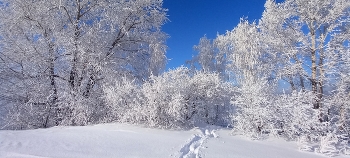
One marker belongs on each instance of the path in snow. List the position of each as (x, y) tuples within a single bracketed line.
[(192, 147)]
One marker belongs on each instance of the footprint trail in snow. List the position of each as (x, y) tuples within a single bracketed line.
[(192, 147)]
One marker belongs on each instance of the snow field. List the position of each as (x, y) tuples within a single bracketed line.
[(130, 141)]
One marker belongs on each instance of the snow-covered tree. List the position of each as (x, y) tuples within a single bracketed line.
[(245, 53), (282, 38), (209, 58), (60, 53), (303, 37)]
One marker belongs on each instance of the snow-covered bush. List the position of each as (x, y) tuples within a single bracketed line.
[(338, 106), (24, 116), (328, 145), (31, 109), (303, 144), (294, 114), (180, 99), (76, 110), (252, 102), (291, 116), (211, 97), (124, 102), (165, 98), (321, 130)]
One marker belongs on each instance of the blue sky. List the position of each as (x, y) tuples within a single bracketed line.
[(192, 19)]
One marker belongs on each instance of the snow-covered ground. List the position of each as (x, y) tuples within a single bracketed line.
[(123, 141)]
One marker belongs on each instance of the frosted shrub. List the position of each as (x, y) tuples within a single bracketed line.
[(303, 143), (252, 116), (210, 97), (339, 116), (30, 112), (124, 101), (295, 114), (24, 116), (178, 99), (289, 115), (298, 120), (164, 98), (77, 110), (328, 145)]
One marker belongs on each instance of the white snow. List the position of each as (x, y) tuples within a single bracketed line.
[(124, 141), (242, 147)]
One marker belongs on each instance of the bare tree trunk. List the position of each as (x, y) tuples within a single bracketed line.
[(291, 83), (52, 111), (342, 117), (314, 66), (321, 73), (89, 85), (73, 78), (52, 103), (302, 84), (74, 74)]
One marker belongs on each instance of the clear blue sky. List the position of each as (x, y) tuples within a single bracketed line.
[(192, 19)]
